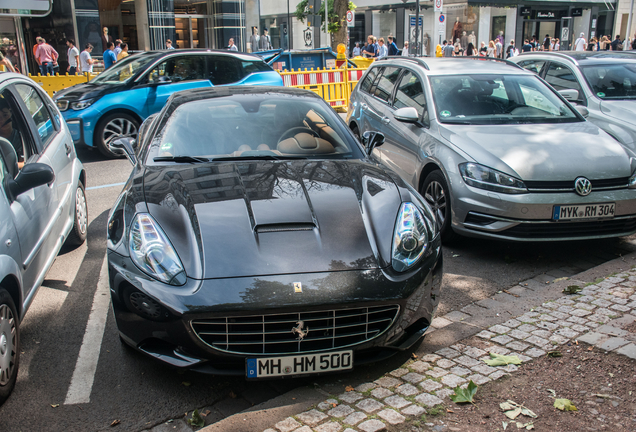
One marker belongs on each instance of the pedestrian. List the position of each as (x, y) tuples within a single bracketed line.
[(616, 44), (12, 56), (483, 49), (580, 44), (470, 50), (405, 50), (591, 46), (109, 55), (527, 47), (491, 49), (382, 49), (356, 50), (73, 57), (265, 42), (86, 61), (369, 51), (557, 44), (117, 49), (604, 44), (46, 56), (546, 43), (254, 39), (231, 46), (124, 51), (393, 49), (510, 49), (169, 44), (634, 42), (6, 62), (498, 49), (447, 49), (457, 49), (534, 43)]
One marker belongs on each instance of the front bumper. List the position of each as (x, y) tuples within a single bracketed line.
[(170, 337), (528, 217), (81, 124)]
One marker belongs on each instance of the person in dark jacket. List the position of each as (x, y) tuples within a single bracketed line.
[(393, 49)]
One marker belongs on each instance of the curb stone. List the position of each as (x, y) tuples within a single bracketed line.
[(546, 319)]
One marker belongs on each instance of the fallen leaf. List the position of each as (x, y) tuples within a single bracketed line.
[(348, 388), (554, 354), (564, 405), (552, 392), (513, 414), (55, 405), (611, 374), (504, 425), (464, 395), (205, 413), (333, 405), (526, 412), (449, 410), (196, 419), (115, 423), (186, 383), (502, 360), (455, 255), (413, 355), (507, 406), (590, 348)]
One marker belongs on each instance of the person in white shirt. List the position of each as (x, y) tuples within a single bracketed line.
[(557, 44), (117, 47), (384, 51), (356, 50), (73, 57), (580, 44), (86, 61), (231, 46), (405, 50)]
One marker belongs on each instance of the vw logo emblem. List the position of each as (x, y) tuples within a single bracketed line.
[(583, 186)]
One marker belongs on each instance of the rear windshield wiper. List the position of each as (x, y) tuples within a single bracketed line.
[(181, 159), (257, 157)]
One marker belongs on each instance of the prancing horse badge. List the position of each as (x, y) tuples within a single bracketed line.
[(298, 287)]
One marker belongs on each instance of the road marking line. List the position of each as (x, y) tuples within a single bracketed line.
[(105, 186), (82, 382)]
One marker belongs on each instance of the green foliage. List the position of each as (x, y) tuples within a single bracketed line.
[(464, 395), (502, 360), (196, 419), (335, 21), (564, 405)]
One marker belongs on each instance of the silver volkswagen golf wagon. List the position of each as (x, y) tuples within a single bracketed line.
[(496, 151)]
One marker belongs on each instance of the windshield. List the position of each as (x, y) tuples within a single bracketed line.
[(123, 70), (253, 127), (497, 99), (612, 81)]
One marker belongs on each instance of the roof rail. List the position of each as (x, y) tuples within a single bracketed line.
[(417, 60), (553, 53), (508, 62)]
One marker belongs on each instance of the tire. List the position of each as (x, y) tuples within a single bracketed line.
[(9, 345), (78, 233), (112, 127), (436, 193)]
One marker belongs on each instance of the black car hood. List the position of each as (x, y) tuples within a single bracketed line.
[(88, 91), (252, 218)]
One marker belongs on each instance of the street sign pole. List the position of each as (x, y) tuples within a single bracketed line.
[(417, 27)]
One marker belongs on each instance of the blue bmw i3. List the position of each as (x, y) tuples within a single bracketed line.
[(115, 103)]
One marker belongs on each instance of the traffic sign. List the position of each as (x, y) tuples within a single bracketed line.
[(441, 18), (351, 19), (438, 5)]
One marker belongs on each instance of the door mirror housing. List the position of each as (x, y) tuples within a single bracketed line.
[(125, 146), (406, 115), (570, 94), (372, 140), (31, 176), (143, 129), (582, 110)]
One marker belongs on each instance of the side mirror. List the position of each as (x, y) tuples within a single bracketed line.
[(582, 110), (124, 146), (372, 140), (143, 129), (31, 176), (570, 94), (406, 115)]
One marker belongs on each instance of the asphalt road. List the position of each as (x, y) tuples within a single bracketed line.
[(141, 393)]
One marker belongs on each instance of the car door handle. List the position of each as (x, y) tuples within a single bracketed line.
[(386, 120), (68, 150)]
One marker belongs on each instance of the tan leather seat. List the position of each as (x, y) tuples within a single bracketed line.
[(304, 143)]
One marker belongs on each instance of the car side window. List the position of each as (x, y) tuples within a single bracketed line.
[(561, 77), (368, 80), (532, 65), (16, 143), (179, 69), (410, 93), (38, 110), (384, 88), (223, 69)]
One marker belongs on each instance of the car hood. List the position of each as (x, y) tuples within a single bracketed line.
[(87, 91), (544, 152), (253, 218), (624, 110)]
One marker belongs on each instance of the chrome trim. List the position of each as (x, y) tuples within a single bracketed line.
[(625, 186), (543, 221)]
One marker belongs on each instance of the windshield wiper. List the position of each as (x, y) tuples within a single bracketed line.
[(181, 159), (257, 157)]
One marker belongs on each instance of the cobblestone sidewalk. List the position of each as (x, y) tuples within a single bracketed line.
[(596, 315)]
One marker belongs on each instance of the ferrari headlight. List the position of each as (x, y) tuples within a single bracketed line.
[(482, 177), (410, 237), (80, 105), (152, 252)]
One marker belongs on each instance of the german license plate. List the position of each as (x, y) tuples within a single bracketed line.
[(265, 367), (583, 211)]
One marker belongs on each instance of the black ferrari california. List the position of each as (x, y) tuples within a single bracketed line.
[(256, 236)]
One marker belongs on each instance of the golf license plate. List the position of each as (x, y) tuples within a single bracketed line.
[(583, 211), (301, 364)]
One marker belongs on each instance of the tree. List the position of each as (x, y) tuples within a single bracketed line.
[(337, 14)]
